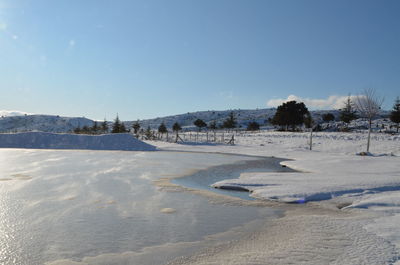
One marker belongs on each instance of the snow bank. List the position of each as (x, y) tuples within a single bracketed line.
[(41, 140), (332, 170), (325, 177)]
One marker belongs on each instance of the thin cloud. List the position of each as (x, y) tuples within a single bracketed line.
[(332, 102), (6, 113)]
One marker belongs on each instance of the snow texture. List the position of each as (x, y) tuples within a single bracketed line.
[(23, 122), (43, 123), (41, 140), (332, 174)]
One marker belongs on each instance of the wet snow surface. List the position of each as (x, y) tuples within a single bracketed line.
[(77, 202), (332, 174), (102, 207)]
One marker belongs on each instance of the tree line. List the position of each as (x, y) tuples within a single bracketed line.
[(292, 114), (117, 127), (288, 117)]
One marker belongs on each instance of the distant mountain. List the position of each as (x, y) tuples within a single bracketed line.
[(43, 123), (186, 120), (7, 113), (51, 123)]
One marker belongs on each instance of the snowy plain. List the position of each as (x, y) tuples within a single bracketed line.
[(331, 176), (353, 202), (104, 207)]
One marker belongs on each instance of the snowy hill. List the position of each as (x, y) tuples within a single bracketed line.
[(243, 118), (6, 113), (186, 120), (41, 140), (58, 124), (43, 123)]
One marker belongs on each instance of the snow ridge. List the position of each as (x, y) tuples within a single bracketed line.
[(41, 140)]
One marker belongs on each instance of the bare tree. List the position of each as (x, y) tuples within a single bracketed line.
[(368, 105)]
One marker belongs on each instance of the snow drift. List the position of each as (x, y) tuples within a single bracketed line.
[(41, 140)]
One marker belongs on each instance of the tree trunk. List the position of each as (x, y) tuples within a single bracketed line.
[(369, 134)]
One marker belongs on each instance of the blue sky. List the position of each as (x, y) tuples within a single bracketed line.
[(144, 59)]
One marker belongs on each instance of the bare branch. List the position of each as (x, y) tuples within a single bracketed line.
[(369, 103)]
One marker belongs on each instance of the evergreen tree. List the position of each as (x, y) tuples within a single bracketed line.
[(176, 127), (162, 128), (85, 129), (148, 133), (104, 126), (348, 113), (123, 128), (77, 130), (118, 127), (95, 128), (328, 117), (213, 125), (290, 114), (253, 126), (395, 114), (230, 122), (136, 127), (199, 124)]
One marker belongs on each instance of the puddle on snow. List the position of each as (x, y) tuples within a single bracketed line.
[(203, 179), (96, 207)]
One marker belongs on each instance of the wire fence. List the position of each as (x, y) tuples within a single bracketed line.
[(193, 137)]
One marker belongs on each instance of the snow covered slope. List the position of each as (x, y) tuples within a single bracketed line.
[(243, 118), (186, 120), (41, 140), (44, 123), (6, 113), (52, 123), (366, 186)]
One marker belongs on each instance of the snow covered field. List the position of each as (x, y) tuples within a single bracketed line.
[(351, 217), (103, 207), (365, 187)]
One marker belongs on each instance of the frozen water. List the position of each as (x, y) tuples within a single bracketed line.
[(204, 179), (91, 207)]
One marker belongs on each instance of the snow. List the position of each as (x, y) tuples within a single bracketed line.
[(14, 121), (44, 123), (6, 113), (41, 140), (362, 193), (331, 175), (102, 207)]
